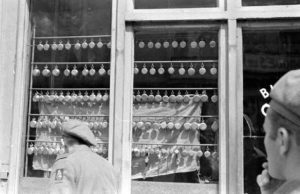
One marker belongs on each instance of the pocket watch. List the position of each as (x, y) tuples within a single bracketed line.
[(202, 69), (40, 46), (84, 45), (55, 71), (36, 72), (67, 71), (46, 71), (158, 45), (92, 44), (166, 44), (60, 46), (68, 45), (92, 71)]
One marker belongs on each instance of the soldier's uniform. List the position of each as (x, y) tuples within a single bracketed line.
[(82, 171)]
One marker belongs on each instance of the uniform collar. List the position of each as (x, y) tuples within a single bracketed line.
[(78, 148)]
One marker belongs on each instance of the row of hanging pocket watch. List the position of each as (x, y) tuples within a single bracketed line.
[(191, 71), (180, 151), (172, 98), (70, 98), (46, 72), (54, 46), (176, 44), (144, 98), (194, 126), (45, 122), (171, 70), (53, 148)]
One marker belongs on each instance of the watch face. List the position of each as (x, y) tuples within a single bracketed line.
[(150, 44), (102, 71), (172, 98), (92, 72), (136, 70), (54, 46), (161, 71), (66, 72), (152, 71), (141, 44), (46, 46), (100, 44), (212, 44), (174, 44), (68, 45), (214, 98), (84, 45), (158, 98), (186, 98), (60, 46), (157, 45), (213, 71), (202, 44), (193, 44), (77, 46), (165, 98), (144, 70), (204, 98), (182, 44), (196, 98), (92, 44), (202, 71), (178, 126), (179, 98), (166, 44), (151, 98), (40, 46), (203, 126), (191, 71), (187, 126), (171, 70), (181, 71)]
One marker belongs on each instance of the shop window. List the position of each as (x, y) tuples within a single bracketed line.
[(70, 70), (164, 4), (267, 55), (269, 2), (175, 110)]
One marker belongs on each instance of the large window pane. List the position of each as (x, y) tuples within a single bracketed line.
[(268, 54), (69, 76), (175, 111)]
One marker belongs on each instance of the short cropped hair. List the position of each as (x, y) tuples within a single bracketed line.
[(278, 121)]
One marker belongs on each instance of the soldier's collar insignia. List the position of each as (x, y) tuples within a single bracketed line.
[(59, 174)]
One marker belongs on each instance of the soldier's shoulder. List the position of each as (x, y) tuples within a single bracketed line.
[(62, 156)]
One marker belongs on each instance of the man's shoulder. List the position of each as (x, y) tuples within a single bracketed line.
[(289, 187)]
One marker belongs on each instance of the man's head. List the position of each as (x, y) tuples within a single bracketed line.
[(77, 132), (282, 126)]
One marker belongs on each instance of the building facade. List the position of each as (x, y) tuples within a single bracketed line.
[(174, 91)]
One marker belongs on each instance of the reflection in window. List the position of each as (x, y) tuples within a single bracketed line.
[(175, 110), (70, 68), (267, 56)]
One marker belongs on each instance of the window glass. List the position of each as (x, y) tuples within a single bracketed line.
[(175, 110), (269, 2), (267, 56), (70, 68), (163, 4)]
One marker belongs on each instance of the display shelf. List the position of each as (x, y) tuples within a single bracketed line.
[(69, 89), (187, 116), (173, 144), (68, 115), (195, 61), (71, 63), (49, 141), (73, 37), (210, 88)]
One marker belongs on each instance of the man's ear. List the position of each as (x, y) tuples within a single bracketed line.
[(284, 140)]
